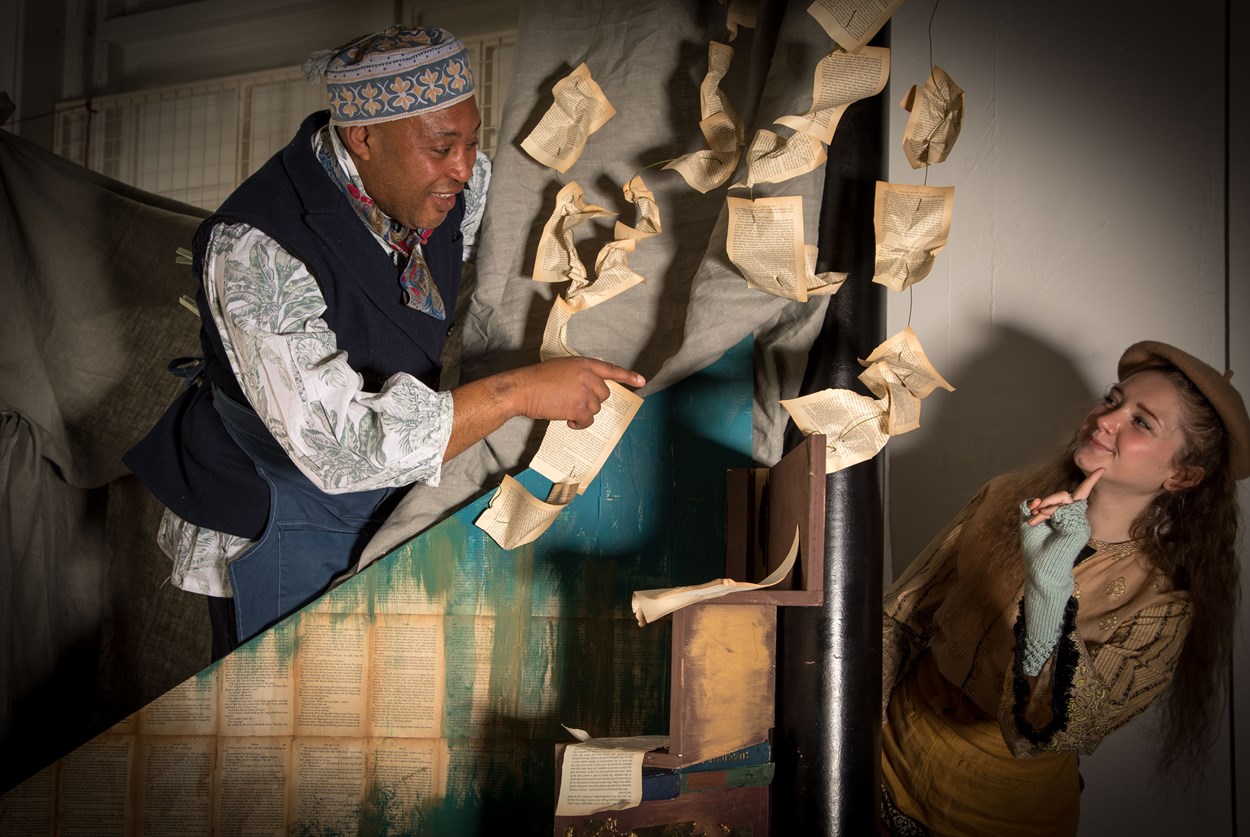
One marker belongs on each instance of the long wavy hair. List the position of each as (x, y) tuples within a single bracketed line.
[(1190, 534)]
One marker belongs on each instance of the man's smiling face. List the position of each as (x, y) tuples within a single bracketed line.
[(413, 168)]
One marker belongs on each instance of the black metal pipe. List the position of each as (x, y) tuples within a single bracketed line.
[(828, 732)]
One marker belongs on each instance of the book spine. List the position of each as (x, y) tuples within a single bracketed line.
[(755, 754), (672, 785)]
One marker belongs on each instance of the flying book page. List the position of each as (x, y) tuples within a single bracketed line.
[(841, 78), (515, 517), (772, 158), (852, 23), (912, 225), (578, 109), (906, 357), (741, 13), (556, 259), (820, 284), (575, 456), (854, 425), (765, 241), (720, 125), (936, 114)]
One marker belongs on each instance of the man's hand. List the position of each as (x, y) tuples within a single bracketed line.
[(570, 389)]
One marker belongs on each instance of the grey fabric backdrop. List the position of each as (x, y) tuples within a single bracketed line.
[(89, 318), (649, 58)]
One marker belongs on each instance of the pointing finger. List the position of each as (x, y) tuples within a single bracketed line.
[(1087, 485)]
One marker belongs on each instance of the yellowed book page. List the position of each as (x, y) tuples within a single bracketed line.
[(613, 275), (578, 109), (852, 23), (841, 78), (403, 591), (556, 258), (703, 171), (741, 13), (471, 641), (556, 334), (935, 117), (912, 224), (515, 517), (569, 456), (765, 241), (126, 726), (175, 780), (854, 425), (902, 406), (250, 786), (30, 807), (772, 158), (406, 680), (190, 708), (651, 605), (820, 284), (721, 133), (599, 779), (331, 675), (327, 785), (903, 352), (93, 793), (648, 224), (714, 102), (410, 773), (258, 686)]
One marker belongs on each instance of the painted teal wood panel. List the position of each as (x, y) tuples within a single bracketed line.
[(566, 648)]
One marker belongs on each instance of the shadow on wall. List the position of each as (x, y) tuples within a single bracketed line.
[(1018, 400)]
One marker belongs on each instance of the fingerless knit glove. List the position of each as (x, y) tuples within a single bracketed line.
[(1050, 550)]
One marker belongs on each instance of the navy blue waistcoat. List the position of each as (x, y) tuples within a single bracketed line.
[(188, 460)]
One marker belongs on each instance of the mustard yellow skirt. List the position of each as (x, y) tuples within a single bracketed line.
[(945, 765)]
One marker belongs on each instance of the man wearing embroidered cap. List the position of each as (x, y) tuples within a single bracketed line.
[(328, 285)]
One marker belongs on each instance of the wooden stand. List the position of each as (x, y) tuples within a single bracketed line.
[(724, 657)]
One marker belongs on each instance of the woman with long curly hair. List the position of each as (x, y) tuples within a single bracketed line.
[(1061, 602)]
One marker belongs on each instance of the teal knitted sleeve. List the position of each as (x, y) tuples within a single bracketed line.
[(1049, 550)]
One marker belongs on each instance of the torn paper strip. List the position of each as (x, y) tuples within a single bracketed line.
[(840, 79), (650, 605)]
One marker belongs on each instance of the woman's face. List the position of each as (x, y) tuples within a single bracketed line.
[(1135, 435)]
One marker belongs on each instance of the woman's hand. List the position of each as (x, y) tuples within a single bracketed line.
[(1043, 508)]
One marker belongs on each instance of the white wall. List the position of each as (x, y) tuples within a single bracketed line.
[(1089, 214)]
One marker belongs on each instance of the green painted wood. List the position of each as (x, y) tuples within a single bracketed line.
[(566, 648)]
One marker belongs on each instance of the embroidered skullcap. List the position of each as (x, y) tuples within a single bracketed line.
[(401, 72), (1216, 388)]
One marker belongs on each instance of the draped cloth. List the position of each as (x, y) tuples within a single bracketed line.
[(89, 320), (649, 58)]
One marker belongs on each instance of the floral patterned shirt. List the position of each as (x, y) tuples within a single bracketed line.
[(268, 310)]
